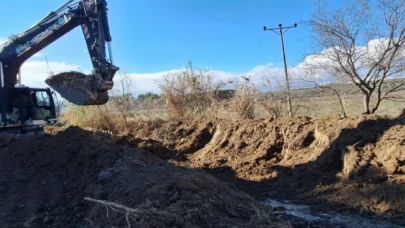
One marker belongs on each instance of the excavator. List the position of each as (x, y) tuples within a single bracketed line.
[(26, 109)]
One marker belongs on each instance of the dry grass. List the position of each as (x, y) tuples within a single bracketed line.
[(269, 103), (96, 117), (194, 93), (116, 116), (189, 93), (243, 103)]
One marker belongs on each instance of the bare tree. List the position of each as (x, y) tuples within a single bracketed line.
[(365, 41), (122, 97)]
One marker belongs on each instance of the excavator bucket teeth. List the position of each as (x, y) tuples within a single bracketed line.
[(78, 88)]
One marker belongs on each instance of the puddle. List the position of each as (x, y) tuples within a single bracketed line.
[(336, 219)]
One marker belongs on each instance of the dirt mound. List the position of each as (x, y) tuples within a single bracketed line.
[(77, 178), (78, 88), (82, 179), (346, 164)]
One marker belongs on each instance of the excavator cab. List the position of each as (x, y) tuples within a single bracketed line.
[(41, 106), (31, 108)]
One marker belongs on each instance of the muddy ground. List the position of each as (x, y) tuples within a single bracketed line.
[(205, 173)]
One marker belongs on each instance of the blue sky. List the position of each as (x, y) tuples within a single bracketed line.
[(151, 36)]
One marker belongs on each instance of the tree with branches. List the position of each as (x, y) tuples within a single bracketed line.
[(364, 41)]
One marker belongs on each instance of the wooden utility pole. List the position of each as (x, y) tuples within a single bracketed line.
[(281, 29)]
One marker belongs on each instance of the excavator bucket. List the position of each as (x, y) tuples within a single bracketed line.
[(78, 88)]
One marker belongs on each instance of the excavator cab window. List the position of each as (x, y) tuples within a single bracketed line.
[(43, 107), (42, 99), (34, 104)]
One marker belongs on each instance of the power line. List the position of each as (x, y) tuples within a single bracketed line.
[(281, 29)]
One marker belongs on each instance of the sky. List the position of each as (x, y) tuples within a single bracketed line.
[(151, 37)]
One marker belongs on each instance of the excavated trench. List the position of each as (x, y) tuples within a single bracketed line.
[(347, 172), (211, 173)]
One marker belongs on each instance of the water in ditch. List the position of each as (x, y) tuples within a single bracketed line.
[(321, 219)]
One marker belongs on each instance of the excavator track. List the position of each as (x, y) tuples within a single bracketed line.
[(78, 88)]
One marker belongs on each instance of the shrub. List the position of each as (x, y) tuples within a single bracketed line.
[(189, 93), (269, 103), (112, 116), (243, 102)]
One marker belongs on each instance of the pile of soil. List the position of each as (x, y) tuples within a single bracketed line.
[(355, 164), (204, 173), (77, 88), (77, 178)]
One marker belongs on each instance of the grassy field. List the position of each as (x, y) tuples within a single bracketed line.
[(316, 102)]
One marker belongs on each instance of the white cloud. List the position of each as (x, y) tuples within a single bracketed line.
[(149, 82), (39, 54), (365, 56), (321, 66), (34, 73)]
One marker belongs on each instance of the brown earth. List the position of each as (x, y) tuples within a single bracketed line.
[(76, 178), (352, 165), (355, 165)]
